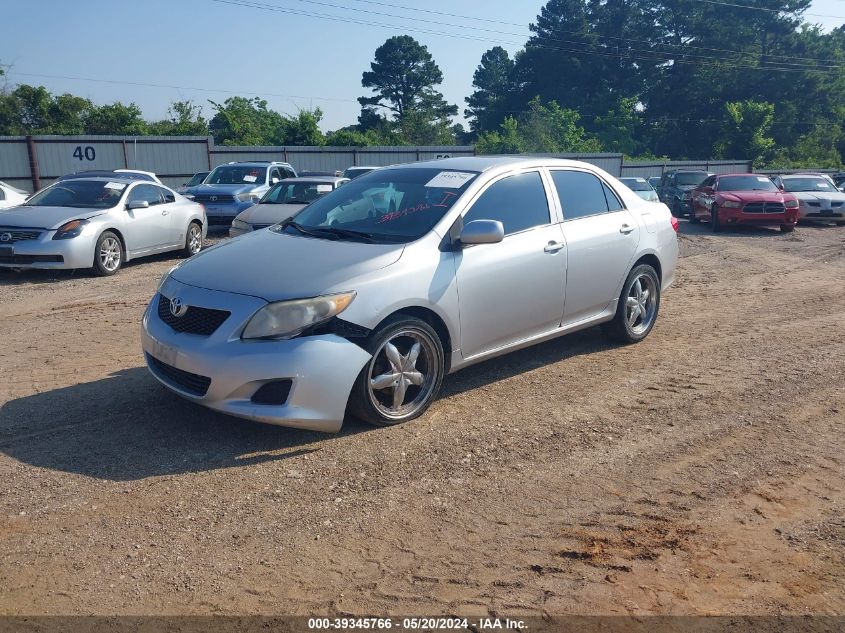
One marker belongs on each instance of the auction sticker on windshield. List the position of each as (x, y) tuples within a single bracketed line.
[(450, 180), (115, 185)]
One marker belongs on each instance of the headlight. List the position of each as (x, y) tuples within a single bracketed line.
[(286, 319), (70, 229), (240, 224), (165, 276), (248, 197), (791, 204), (730, 204)]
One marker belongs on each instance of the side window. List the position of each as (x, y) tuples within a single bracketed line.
[(613, 203), (150, 193), (274, 173), (167, 195), (518, 202), (287, 173), (581, 194), (709, 182)]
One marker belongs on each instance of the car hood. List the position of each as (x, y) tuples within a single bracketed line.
[(45, 217), (230, 189), (821, 195), (757, 196), (269, 213), (277, 266)]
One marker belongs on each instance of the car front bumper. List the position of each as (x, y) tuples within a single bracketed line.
[(322, 369), (47, 253), (223, 214), (822, 215), (739, 216)]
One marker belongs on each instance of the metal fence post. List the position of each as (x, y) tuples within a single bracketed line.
[(34, 172)]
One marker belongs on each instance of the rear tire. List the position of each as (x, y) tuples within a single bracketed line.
[(403, 376), (637, 308), (193, 240), (108, 254), (714, 220), (787, 228)]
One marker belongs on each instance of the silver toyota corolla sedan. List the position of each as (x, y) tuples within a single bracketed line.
[(99, 223), (371, 295)]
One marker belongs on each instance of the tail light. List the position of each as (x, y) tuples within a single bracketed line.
[(675, 224)]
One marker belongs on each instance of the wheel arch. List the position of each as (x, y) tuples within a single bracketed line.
[(652, 260), (119, 234), (433, 319)]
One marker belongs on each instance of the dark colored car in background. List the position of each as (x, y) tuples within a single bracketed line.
[(195, 181), (676, 189), (743, 199)]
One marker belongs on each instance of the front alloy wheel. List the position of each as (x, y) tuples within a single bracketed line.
[(108, 254), (403, 375)]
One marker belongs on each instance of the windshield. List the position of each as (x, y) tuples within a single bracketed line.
[(746, 183), (636, 184), (236, 175), (808, 184), (197, 179), (296, 192), (93, 194), (691, 178), (388, 205)]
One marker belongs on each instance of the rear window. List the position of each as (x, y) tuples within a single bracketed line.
[(636, 184)]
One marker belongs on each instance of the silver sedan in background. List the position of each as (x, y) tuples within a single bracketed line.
[(373, 293), (284, 200), (641, 187), (99, 223)]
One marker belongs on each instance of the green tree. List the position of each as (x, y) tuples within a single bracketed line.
[(493, 82), (505, 141), (620, 130), (246, 121), (185, 119), (116, 118), (745, 132), (550, 128), (304, 129)]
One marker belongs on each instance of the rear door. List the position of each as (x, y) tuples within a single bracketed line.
[(601, 237), (148, 228)]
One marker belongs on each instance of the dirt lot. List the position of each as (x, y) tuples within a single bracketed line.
[(699, 472)]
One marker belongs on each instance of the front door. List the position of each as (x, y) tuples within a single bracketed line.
[(512, 290), (147, 228)]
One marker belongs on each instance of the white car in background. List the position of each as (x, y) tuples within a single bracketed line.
[(818, 197), (641, 187), (11, 196)]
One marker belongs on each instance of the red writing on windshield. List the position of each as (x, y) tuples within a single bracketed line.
[(422, 206)]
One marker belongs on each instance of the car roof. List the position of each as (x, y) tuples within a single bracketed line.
[(332, 179), (254, 163), (119, 178), (804, 175), (363, 167), (638, 178), (132, 176), (743, 174)]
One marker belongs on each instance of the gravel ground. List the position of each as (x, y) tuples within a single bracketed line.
[(699, 472)]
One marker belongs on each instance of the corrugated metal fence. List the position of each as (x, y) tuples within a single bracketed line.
[(30, 162)]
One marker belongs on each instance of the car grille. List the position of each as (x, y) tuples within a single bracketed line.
[(23, 260), (222, 198), (833, 204), (20, 235), (202, 321), (193, 384), (764, 207)]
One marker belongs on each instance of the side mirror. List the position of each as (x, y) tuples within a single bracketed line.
[(138, 204), (482, 232)]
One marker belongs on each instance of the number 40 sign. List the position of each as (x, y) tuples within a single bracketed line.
[(84, 153)]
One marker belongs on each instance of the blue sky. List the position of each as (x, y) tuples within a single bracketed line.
[(223, 47)]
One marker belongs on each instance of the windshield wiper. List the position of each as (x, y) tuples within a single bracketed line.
[(348, 233), (302, 229)]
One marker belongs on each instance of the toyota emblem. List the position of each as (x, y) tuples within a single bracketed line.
[(177, 308), (213, 198), (6, 237)]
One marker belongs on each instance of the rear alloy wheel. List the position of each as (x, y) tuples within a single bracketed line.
[(714, 220), (403, 376), (193, 240), (108, 254), (638, 306)]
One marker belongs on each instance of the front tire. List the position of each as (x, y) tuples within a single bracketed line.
[(108, 254), (193, 240), (693, 218), (714, 220), (787, 228), (639, 303), (404, 374)]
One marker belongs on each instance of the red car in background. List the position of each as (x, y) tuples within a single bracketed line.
[(729, 199)]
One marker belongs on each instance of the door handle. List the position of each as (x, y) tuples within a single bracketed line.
[(626, 228), (165, 212), (553, 247)]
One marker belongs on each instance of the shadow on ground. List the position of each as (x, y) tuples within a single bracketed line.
[(128, 427)]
